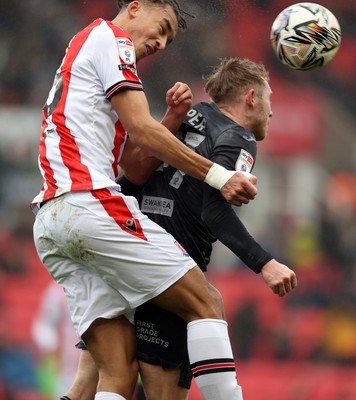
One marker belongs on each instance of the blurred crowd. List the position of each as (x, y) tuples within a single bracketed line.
[(316, 323)]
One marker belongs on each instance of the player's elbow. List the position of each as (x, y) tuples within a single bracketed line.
[(141, 132)]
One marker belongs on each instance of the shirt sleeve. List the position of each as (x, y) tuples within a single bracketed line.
[(115, 60), (228, 228), (232, 152)]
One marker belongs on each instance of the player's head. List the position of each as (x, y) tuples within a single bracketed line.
[(240, 84), (151, 24)]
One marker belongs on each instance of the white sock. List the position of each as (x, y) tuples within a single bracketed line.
[(108, 396), (212, 361)]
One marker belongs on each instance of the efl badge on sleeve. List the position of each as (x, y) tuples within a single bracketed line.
[(245, 162), (126, 51)]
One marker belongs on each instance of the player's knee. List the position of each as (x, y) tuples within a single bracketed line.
[(124, 379), (215, 304), (210, 305)]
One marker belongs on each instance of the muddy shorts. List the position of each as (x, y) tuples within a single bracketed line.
[(108, 256)]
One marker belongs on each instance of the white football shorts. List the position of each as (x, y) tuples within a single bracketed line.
[(106, 254)]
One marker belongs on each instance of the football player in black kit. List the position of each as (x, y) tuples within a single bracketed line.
[(224, 131)]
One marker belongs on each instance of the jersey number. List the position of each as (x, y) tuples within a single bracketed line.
[(54, 94)]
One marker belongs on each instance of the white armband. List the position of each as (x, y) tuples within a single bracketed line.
[(217, 176)]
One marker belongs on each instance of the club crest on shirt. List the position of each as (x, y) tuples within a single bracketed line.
[(245, 162)]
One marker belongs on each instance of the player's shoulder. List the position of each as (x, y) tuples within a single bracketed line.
[(225, 129), (104, 28), (195, 118), (103, 37), (245, 135), (204, 115)]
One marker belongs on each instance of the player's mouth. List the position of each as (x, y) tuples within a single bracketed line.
[(149, 50)]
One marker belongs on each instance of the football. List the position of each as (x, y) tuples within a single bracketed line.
[(305, 36)]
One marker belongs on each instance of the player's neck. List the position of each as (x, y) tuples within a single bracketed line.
[(231, 112)]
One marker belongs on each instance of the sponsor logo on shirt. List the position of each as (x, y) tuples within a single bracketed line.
[(146, 331), (157, 205), (49, 131), (124, 42), (125, 67)]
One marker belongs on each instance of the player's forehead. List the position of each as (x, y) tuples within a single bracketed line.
[(166, 16), (266, 87)]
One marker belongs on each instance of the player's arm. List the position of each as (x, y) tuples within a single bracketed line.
[(228, 228), (136, 163), (233, 150), (153, 137)]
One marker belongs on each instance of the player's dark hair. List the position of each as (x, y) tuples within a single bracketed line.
[(180, 13), (232, 76)]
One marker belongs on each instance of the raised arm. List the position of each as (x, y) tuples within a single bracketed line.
[(136, 163), (150, 135)]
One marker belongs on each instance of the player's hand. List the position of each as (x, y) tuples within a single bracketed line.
[(279, 277), (179, 99), (240, 189)]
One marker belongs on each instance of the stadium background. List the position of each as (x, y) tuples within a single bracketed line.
[(300, 347)]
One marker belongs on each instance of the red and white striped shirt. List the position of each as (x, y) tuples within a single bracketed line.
[(81, 137)]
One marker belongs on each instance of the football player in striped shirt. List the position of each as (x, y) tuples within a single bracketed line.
[(94, 241)]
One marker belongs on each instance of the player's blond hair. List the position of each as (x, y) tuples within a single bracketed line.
[(232, 76), (180, 13)]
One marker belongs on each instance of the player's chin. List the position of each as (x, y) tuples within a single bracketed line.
[(261, 133), (140, 55)]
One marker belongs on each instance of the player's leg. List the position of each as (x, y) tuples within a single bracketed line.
[(209, 348), (161, 351), (112, 343), (86, 379), (117, 255), (160, 384), (192, 297), (88, 297), (96, 307)]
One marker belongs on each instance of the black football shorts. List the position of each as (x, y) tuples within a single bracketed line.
[(162, 340)]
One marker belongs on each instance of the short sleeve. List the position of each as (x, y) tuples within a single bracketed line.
[(115, 60)]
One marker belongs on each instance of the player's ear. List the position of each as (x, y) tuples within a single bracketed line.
[(250, 97), (133, 8)]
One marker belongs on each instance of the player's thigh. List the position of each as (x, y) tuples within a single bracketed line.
[(160, 384), (192, 297), (111, 340)]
